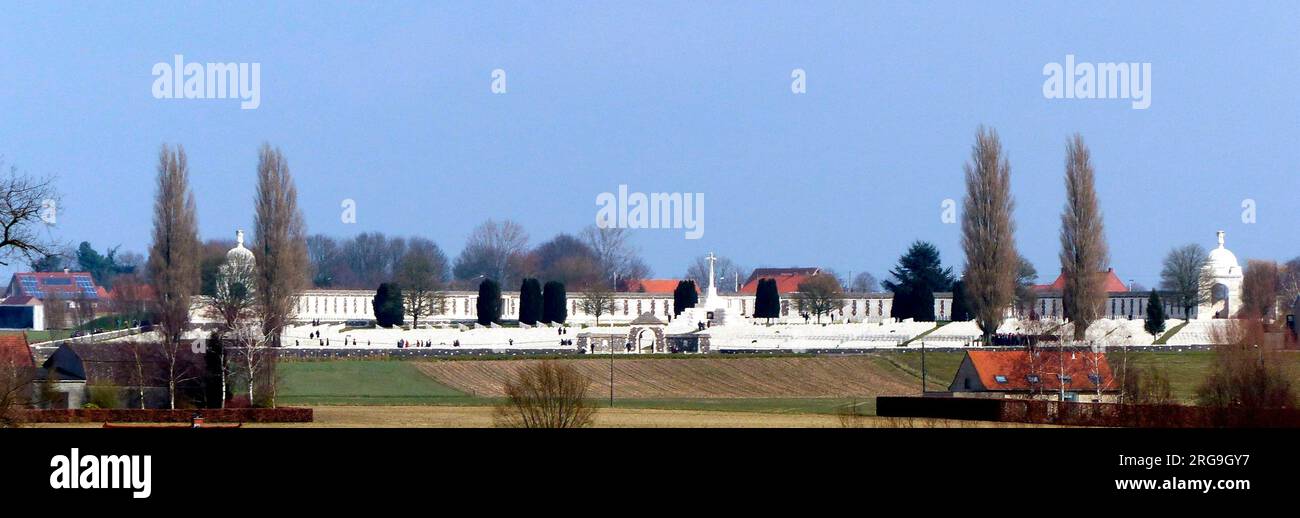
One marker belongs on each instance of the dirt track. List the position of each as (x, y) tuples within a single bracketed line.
[(810, 377)]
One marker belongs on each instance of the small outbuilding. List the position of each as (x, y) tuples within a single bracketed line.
[(1084, 375)]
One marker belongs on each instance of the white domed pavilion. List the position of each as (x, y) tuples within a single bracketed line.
[(1225, 290), (239, 253), (238, 268)]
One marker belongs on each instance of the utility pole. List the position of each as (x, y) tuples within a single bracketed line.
[(923, 376), (611, 373)]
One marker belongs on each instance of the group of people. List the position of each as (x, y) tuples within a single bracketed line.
[(326, 341), (407, 344)]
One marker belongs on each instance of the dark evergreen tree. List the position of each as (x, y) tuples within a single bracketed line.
[(918, 275), (767, 300), (554, 303), (684, 296), (530, 301), (1155, 315), (923, 305), (901, 305), (960, 308), (101, 267), (489, 302), (49, 263), (388, 305)]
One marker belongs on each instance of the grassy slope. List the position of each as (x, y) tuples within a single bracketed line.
[(364, 382), (386, 382), (940, 366)]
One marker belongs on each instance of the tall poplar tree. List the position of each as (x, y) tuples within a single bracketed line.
[(280, 243), (1084, 254), (988, 234), (174, 259)]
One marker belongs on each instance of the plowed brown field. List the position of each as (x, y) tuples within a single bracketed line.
[(810, 377)]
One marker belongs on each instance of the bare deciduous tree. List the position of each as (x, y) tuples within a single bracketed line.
[(1187, 276), (865, 282), (280, 243), (140, 355), (1289, 282), (83, 307), (421, 272), (256, 356), (25, 201), (819, 295), (1084, 253), (364, 262), (326, 259), (495, 251), (131, 297), (547, 394), (597, 301), (617, 259), (1260, 289), (988, 233), (173, 258), (566, 259)]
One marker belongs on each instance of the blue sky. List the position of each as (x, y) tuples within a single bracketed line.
[(389, 104)]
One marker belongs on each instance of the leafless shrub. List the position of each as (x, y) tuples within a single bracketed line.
[(548, 394), (850, 416), (1147, 386), (1248, 378), (15, 389)]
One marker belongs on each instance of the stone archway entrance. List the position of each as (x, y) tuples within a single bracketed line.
[(647, 335), (645, 341)]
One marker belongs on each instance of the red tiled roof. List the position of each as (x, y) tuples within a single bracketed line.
[(43, 284), (1113, 284), (1015, 367), (654, 285), (787, 279), (14, 350), (20, 300)]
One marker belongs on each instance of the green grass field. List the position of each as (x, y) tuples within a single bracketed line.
[(43, 336), (364, 382), (397, 382), (940, 366), (394, 382)]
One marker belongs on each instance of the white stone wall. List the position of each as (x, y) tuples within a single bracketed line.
[(343, 305)]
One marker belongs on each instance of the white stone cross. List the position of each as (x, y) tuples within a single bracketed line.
[(712, 259)]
